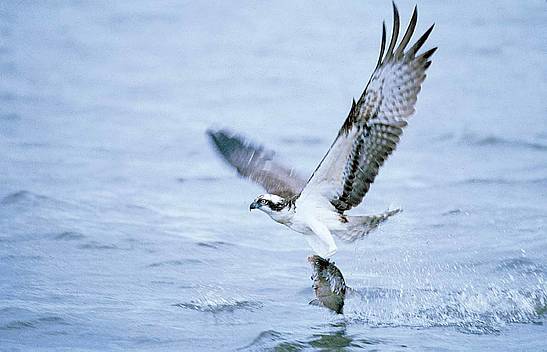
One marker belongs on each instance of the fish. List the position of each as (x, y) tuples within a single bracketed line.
[(329, 285)]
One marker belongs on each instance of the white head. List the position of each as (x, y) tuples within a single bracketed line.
[(275, 206)]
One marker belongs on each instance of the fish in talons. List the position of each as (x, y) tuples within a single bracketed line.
[(329, 285)]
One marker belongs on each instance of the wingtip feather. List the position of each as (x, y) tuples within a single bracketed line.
[(382, 45), (394, 33), (210, 132), (420, 42), (408, 33), (429, 53), (213, 135)]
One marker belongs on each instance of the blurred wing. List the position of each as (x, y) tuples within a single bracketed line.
[(375, 123), (256, 163)]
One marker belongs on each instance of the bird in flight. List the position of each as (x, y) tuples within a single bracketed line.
[(367, 137)]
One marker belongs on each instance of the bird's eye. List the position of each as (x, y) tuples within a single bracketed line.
[(263, 201)]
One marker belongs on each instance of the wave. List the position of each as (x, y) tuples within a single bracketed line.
[(502, 181), (213, 299), (521, 265), (26, 319), (303, 140), (27, 199), (98, 245), (332, 336), (269, 339), (68, 236), (219, 305), (455, 211), (205, 179), (10, 117), (175, 263), (214, 244), (16, 257), (22, 196), (497, 141)]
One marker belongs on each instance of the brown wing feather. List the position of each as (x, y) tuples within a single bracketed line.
[(375, 122), (257, 164)]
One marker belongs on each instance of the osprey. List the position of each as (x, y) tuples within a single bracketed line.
[(368, 136)]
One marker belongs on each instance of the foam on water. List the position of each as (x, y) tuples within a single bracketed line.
[(470, 310)]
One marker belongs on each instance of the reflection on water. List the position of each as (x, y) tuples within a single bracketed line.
[(336, 338), (331, 337)]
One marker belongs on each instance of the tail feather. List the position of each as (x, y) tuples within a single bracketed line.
[(359, 226)]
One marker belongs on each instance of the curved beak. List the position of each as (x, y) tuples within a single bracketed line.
[(254, 205)]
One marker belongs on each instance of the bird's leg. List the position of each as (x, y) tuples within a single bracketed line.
[(327, 241)]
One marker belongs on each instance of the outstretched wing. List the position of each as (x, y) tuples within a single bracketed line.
[(375, 122), (256, 163)]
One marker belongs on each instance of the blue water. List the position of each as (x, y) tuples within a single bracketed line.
[(120, 229)]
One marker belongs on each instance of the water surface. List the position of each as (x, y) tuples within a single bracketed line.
[(121, 229)]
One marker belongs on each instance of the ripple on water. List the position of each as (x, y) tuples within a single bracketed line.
[(272, 340), (213, 302), (331, 337), (9, 117), (68, 236), (98, 246), (204, 179), (17, 257), (520, 265), (181, 262), (27, 319), (338, 339), (496, 141), (213, 244), (219, 306), (22, 196), (502, 181), (456, 211), (24, 199), (303, 140)]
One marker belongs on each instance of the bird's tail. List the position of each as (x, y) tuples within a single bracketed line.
[(360, 226)]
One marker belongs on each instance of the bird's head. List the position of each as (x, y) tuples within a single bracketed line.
[(271, 204)]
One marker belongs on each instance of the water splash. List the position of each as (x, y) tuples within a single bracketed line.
[(469, 310)]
